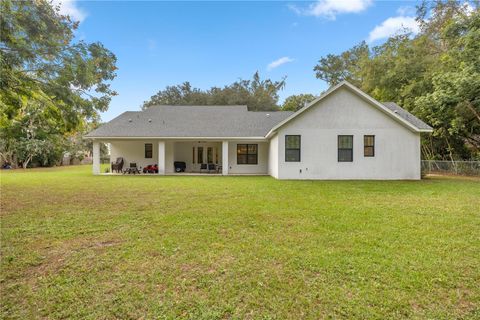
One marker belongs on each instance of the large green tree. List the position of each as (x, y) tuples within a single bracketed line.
[(296, 102), (345, 66), (50, 85), (434, 74), (257, 94)]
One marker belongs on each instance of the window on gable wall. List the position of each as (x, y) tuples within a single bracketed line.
[(345, 148), (292, 148), (369, 146)]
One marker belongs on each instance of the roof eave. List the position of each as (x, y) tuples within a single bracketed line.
[(360, 93), (172, 138)]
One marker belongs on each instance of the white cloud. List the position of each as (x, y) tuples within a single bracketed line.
[(70, 8), (331, 8), (392, 26), (279, 62), (295, 9)]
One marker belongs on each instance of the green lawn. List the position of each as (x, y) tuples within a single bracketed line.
[(79, 246)]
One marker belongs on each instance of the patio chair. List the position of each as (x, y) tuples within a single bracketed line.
[(211, 167), (117, 165), (203, 167), (132, 169)]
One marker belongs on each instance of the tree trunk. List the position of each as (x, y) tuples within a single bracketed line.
[(26, 162), (472, 108), (451, 155)]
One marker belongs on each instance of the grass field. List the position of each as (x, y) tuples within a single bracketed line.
[(79, 246)]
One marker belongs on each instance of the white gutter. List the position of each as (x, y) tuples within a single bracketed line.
[(176, 138)]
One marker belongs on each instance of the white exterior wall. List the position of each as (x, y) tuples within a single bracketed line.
[(273, 157), (133, 151), (397, 148), (260, 168), (183, 151)]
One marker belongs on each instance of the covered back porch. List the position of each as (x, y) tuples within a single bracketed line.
[(195, 156)]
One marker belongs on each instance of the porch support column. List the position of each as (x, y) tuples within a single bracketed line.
[(224, 158), (96, 157), (161, 157)]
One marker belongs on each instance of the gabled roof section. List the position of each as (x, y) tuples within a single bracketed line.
[(390, 108), (407, 116), (191, 122)]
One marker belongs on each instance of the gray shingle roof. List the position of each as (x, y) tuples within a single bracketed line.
[(191, 121), (407, 116)]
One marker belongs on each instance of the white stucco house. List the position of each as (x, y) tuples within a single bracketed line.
[(343, 134)]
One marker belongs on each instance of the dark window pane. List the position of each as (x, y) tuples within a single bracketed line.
[(200, 155), (242, 149), (345, 142), (292, 148), (369, 146), (209, 155), (252, 159), (368, 152), (345, 155), (292, 155), (292, 142), (247, 153), (148, 150), (242, 159), (368, 141)]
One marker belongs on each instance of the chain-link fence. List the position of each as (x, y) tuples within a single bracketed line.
[(468, 168)]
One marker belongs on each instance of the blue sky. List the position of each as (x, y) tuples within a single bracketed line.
[(216, 43)]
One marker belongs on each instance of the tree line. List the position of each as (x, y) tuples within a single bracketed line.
[(52, 88), (434, 74)]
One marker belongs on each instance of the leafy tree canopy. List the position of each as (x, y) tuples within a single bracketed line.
[(257, 94), (434, 74), (50, 84), (296, 102)]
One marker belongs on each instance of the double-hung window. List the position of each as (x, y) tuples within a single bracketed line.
[(345, 148), (292, 148), (247, 153), (369, 146)]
